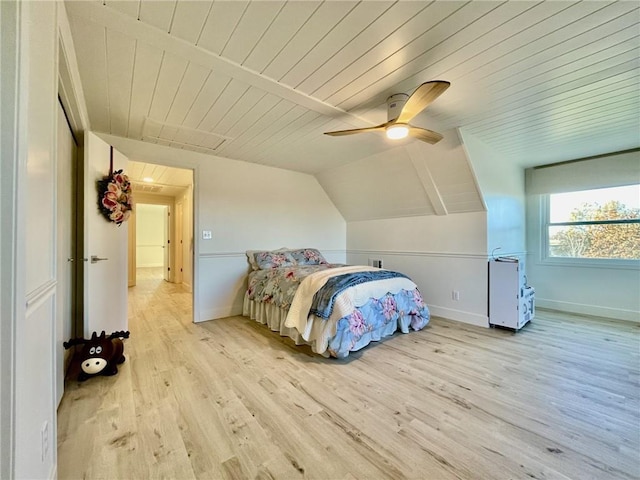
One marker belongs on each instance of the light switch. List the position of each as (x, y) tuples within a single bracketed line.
[(206, 234)]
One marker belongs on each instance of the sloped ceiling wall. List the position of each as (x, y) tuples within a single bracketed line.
[(410, 180)]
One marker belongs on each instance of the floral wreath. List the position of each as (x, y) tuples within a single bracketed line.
[(115, 200)]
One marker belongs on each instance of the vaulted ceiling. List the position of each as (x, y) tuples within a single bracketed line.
[(260, 81)]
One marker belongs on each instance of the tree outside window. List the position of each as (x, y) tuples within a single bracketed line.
[(603, 223)]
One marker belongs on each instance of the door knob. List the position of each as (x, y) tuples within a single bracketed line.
[(96, 259)]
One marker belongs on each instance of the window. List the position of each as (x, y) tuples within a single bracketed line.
[(594, 224)]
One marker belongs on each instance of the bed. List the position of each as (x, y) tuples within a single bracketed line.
[(334, 308)]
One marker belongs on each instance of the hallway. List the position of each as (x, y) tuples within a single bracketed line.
[(153, 297)]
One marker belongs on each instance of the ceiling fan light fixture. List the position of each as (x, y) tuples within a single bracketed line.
[(401, 108), (397, 131)]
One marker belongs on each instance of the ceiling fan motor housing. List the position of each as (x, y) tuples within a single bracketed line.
[(395, 104)]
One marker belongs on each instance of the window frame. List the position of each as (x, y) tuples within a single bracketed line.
[(546, 258)]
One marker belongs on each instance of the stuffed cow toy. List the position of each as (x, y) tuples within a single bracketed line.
[(100, 355)]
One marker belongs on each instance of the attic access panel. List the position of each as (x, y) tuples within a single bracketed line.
[(179, 136)]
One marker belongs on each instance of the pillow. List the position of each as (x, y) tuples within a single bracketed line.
[(251, 256), (308, 256), (267, 260)]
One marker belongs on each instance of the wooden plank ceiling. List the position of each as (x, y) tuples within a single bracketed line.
[(153, 179), (261, 81)]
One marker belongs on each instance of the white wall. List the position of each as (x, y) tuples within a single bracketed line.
[(150, 234), (606, 292), (249, 207), (246, 207), (440, 253), (502, 185)]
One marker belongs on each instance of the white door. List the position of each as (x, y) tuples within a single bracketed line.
[(105, 247), (177, 248), (65, 224), (166, 244)]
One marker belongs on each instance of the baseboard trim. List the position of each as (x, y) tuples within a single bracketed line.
[(592, 310), (460, 316), (220, 312)]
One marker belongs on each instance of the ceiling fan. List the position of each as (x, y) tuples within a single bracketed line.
[(401, 108)]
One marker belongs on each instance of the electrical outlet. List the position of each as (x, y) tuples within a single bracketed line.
[(375, 263), (455, 295), (44, 434), (206, 235)]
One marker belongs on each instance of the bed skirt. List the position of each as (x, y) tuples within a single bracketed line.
[(321, 333)]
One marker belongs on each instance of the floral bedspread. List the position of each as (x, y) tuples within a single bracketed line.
[(279, 285), (378, 318)]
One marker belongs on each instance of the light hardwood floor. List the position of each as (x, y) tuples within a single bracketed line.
[(230, 399)]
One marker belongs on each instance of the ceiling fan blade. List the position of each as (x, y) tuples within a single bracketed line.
[(421, 99), (425, 135), (339, 133)]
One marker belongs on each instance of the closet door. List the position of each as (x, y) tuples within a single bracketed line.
[(66, 225)]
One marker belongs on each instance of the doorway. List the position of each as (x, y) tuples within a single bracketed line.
[(153, 239), (159, 188)]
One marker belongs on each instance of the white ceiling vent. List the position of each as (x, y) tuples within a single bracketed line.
[(181, 137)]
